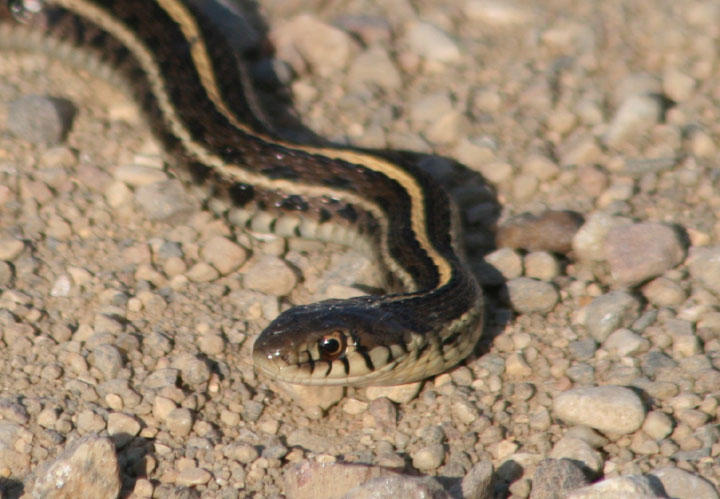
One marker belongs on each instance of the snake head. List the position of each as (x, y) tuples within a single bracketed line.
[(337, 342)]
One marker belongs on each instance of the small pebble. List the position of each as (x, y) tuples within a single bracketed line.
[(193, 476), (541, 265), (664, 292), (306, 40), (636, 115), (478, 482), (431, 43), (122, 428), (242, 452), (179, 422), (400, 394), (166, 200), (223, 254), (530, 295), (704, 265), (428, 458), (10, 248), (270, 275), (374, 66), (137, 175), (496, 12), (608, 312), (506, 261), (623, 342)]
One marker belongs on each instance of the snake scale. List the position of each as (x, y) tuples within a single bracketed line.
[(184, 75)]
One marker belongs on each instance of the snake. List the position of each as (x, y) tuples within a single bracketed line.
[(184, 74)]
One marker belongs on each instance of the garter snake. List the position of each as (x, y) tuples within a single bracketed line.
[(183, 74)]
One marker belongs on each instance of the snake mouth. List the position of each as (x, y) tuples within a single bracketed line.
[(350, 370), (354, 368)]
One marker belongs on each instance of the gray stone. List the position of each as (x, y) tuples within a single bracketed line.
[(681, 484), (40, 119), (578, 450), (554, 478), (608, 312), (638, 252), (611, 409), (635, 486), (582, 349), (309, 480), (478, 482)]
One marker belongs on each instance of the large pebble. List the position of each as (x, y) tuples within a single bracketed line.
[(638, 252), (87, 468), (682, 484), (610, 409), (310, 480), (608, 312), (398, 486), (622, 486), (548, 231)]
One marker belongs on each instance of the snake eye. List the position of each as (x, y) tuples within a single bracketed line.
[(332, 345)]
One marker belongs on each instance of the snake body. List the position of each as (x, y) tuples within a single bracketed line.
[(184, 75)]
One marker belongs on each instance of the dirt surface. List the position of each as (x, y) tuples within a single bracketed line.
[(118, 320)]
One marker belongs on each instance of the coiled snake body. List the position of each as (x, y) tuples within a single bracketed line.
[(184, 75)]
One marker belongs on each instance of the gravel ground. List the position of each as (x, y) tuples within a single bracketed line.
[(128, 312)]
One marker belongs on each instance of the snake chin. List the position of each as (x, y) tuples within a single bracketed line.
[(352, 342)]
